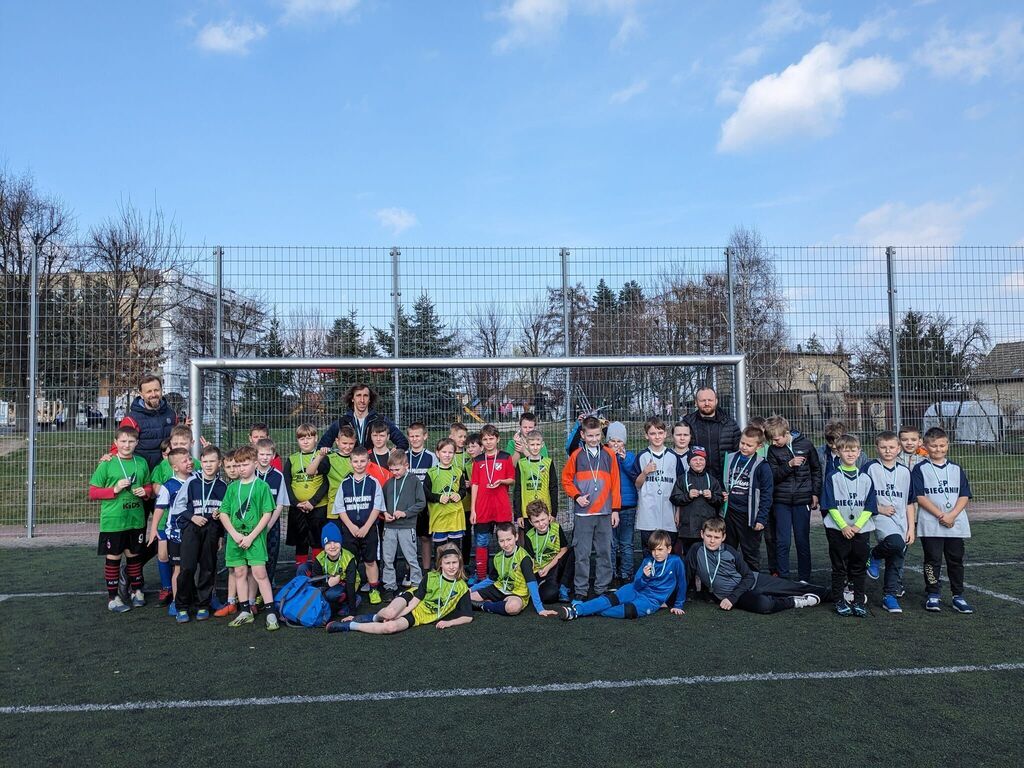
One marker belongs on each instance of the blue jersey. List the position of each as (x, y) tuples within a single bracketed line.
[(202, 498), (174, 501), (668, 576)]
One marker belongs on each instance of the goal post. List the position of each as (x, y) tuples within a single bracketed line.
[(197, 367)]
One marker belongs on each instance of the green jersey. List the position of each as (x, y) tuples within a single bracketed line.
[(440, 598), (510, 448), (245, 503), (339, 467), (162, 472), (123, 512)]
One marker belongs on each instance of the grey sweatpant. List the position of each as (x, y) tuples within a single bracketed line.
[(592, 533), (404, 539)]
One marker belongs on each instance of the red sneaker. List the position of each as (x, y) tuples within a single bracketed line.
[(164, 597), (227, 610)]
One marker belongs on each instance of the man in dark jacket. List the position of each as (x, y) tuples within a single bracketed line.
[(360, 401), (711, 427), (797, 474), (150, 414)]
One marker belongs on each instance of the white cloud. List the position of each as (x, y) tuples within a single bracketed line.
[(974, 55), (230, 37), (533, 22), (781, 17), (1013, 282), (396, 219), (305, 10), (809, 97), (748, 57), (629, 92), (978, 111), (629, 28), (931, 223)]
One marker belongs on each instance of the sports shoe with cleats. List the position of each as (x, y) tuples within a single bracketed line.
[(181, 617), (272, 623), (860, 610), (117, 605), (226, 610), (138, 599), (932, 604), (843, 608), (375, 598), (874, 568), (567, 612), (241, 619)]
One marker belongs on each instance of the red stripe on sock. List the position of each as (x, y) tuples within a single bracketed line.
[(481, 562)]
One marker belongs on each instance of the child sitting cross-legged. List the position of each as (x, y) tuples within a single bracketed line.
[(511, 582)]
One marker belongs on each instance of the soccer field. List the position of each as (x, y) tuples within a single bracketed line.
[(81, 685)]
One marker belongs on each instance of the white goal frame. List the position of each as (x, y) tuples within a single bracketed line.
[(198, 365)]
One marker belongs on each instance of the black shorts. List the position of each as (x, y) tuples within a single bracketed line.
[(116, 542), (366, 549), (491, 592), (305, 527), (423, 524), (174, 552)]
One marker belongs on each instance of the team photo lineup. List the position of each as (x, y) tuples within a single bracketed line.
[(393, 530)]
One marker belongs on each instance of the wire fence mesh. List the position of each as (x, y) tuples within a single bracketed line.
[(813, 322)]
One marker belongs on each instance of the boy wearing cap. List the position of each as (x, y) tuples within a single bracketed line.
[(622, 535), (339, 567), (697, 496)]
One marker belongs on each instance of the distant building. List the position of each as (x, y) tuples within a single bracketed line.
[(999, 378)]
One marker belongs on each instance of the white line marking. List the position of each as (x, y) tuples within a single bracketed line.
[(48, 594), (983, 565), (975, 588), (508, 690)]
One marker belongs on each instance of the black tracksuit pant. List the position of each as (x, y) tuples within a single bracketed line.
[(849, 562), (198, 565), (935, 547), (772, 594)]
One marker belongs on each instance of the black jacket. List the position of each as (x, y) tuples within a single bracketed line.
[(693, 512), (718, 434), (349, 419), (794, 486)]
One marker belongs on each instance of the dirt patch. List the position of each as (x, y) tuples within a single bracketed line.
[(8, 446)]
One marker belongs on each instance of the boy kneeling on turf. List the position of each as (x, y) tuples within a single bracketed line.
[(511, 581), (441, 599), (339, 567), (727, 576), (660, 576)]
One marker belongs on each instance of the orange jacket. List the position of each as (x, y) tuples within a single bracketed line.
[(598, 478)]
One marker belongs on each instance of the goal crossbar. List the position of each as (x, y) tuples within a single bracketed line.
[(200, 364)]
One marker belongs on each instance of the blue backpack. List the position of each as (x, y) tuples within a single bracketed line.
[(302, 604)]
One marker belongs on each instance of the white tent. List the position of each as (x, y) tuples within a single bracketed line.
[(972, 421)]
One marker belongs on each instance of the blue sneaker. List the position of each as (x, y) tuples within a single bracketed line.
[(138, 599), (202, 614), (891, 604), (960, 605), (117, 605), (874, 568), (860, 610), (843, 608), (172, 610), (576, 602), (181, 618), (563, 594), (932, 604)]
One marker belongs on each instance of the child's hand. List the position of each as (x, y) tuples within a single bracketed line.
[(814, 502), (121, 484), (246, 542), (333, 581), (453, 497), (472, 517), (910, 537), (400, 514), (388, 517), (848, 532), (445, 498), (649, 570), (694, 493), (237, 537), (198, 521), (140, 492), (324, 451), (583, 500), (887, 511), (725, 495), (151, 538), (106, 457), (652, 466), (706, 493), (305, 506), (726, 605), (796, 461), (758, 526), (678, 611), (547, 613), (520, 523), (203, 442)]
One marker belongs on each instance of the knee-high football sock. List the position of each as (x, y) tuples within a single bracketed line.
[(301, 559), (494, 606), (165, 569), (481, 563), (134, 570), (595, 606), (111, 570)]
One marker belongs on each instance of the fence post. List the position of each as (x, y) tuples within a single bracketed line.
[(396, 304), (33, 374), (894, 352), (218, 338), (563, 254), (732, 329)]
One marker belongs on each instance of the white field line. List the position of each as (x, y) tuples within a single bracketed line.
[(31, 595), (508, 690), (976, 588)]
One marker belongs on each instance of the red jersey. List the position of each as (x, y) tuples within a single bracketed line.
[(493, 505)]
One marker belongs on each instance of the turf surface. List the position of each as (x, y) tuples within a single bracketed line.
[(69, 650)]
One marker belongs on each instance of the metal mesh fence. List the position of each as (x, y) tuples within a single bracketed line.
[(814, 323)]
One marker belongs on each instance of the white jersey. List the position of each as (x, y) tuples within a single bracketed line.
[(892, 489), (942, 486), (654, 511)]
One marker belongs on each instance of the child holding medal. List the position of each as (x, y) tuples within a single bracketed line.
[(493, 472), (655, 474), (697, 496), (441, 599), (511, 581), (941, 490)]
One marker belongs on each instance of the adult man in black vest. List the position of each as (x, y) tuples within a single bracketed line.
[(360, 400), (714, 429)]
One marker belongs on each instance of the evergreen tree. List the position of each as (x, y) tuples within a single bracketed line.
[(345, 339), (267, 394)]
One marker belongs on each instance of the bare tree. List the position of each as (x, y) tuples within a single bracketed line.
[(305, 335), (489, 336)]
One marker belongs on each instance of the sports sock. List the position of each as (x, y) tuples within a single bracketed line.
[(595, 606), (365, 618), (481, 563), (494, 606), (133, 567), (301, 559), (111, 571), (165, 569)]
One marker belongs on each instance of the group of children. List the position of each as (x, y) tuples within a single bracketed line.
[(406, 526)]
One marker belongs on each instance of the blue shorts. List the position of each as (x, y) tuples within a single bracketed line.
[(441, 536), (161, 534)]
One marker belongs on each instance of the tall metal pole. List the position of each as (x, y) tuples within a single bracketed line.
[(563, 254), (894, 351), (33, 374), (218, 339), (732, 334), (396, 306)]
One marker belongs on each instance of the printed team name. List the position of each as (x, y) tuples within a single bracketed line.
[(942, 489), (890, 491), (853, 500), (358, 501)]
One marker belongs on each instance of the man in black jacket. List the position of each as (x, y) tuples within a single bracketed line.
[(360, 401), (711, 427), (797, 474)]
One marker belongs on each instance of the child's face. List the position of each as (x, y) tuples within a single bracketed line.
[(458, 436), (445, 455), (450, 567), (210, 464), (379, 440), (534, 446), (126, 445), (333, 549), (937, 448), (618, 446), (781, 441), (359, 464), (306, 443), (656, 437), (417, 438), (256, 435), (592, 437), (264, 456), (910, 441), (230, 469), (507, 542), (180, 441), (345, 444), (749, 445), (526, 426), (399, 470), (680, 437), (698, 463), (888, 450), (541, 521), (849, 455), (712, 539), (660, 553), (246, 469), (473, 449), (181, 464), (489, 442)]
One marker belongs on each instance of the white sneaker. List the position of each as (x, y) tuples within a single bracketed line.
[(117, 606), (848, 593), (138, 599), (806, 601)]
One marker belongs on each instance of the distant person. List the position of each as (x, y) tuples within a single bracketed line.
[(360, 401), (714, 429)]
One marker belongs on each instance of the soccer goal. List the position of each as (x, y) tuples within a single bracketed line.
[(284, 392)]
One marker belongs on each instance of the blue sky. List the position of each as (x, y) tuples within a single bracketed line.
[(526, 122)]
